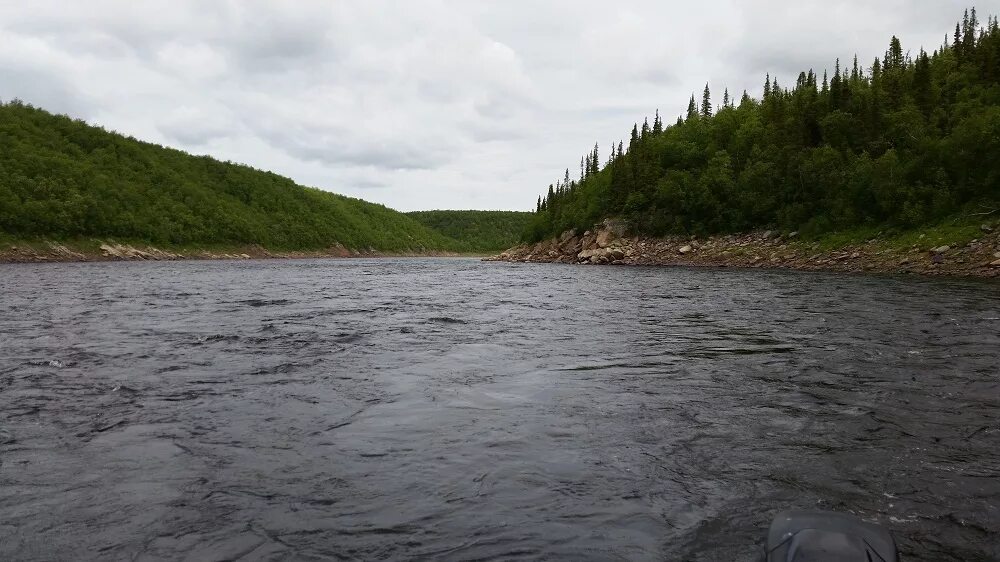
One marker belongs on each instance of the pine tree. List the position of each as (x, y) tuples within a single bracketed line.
[(692, 112), (725, 98), (706, 103), (645, 128), (657, 124), (595, 161), (767, 86)]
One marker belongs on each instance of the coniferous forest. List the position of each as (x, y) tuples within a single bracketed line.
[(900, 141)]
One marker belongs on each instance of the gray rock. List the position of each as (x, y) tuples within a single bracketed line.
[(940, 249), (986, 228), (604, 238), (685, 249)]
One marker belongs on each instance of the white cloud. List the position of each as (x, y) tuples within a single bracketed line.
[(424, 103)]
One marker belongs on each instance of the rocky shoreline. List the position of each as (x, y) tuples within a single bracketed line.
[(44, 252), (606, 245)]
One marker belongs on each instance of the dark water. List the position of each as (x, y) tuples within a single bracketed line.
[(453, 409)]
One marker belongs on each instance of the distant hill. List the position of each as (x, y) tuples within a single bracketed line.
[(61, 178), (479, 230)]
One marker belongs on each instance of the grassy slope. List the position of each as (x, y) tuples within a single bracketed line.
[(63, 179), (484, 231)]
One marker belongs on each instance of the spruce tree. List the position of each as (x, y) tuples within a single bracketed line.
[(973, 31), (894, 57), (922, 83), (657, 124), (692, 112), (706, 103), (958, 41)]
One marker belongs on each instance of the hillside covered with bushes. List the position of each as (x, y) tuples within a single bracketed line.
[(61, 178), (479, 230)]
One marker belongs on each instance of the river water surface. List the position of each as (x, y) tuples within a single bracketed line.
[(452, 409)]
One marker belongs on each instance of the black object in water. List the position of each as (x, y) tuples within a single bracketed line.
[(816, 536)]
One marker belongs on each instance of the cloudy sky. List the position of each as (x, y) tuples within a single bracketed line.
[(424, 104)]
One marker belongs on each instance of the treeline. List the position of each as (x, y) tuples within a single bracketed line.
[(61, 178), (480, 231), (906, 140)]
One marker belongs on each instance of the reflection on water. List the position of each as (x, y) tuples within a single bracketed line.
[(454, 409)]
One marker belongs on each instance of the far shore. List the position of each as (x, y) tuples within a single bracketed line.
[(45, 251)]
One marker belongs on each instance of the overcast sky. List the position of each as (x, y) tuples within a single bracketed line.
[(433, 104)]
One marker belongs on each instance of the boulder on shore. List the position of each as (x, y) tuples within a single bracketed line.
[(604, 238)]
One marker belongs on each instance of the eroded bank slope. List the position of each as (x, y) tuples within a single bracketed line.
[(937, 253)]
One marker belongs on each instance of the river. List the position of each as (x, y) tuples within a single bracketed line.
[(453, 409)]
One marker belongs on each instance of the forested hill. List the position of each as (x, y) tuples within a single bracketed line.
[(61, 178), (900, 141), (483, 231)]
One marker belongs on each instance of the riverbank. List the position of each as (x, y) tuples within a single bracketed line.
[(965, 250), (42, 251)]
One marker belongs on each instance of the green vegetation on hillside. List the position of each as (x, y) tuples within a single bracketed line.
[(61, 178), (480, 231), (901, 144)]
